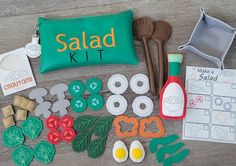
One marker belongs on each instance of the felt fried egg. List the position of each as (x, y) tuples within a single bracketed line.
[(137, 152), (120, 152)]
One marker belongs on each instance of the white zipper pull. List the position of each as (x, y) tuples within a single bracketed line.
[(33, 49)]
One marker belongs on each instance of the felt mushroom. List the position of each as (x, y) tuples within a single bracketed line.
[(43, 109), (60, 106), (38, 94), (59, 90)]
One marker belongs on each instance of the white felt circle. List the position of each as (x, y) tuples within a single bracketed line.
[(116, 110), (138, 102), (134, 84), (117, 79)]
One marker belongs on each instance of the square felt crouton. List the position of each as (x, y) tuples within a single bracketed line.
[(17, 101), (31, 106), (8, 121), (24, 103), (7, 111), (21, 114)]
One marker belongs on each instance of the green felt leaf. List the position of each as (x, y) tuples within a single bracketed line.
[(102, 126), (32, 127), (156, 142), (12, 137), (85, 122), (97, 147), (176, 159), (22, 155), (81, 142), (44, 152), (168, 150)]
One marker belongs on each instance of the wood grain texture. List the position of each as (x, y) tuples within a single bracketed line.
[(18, 17)]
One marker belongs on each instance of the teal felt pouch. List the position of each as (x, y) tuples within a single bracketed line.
[(84, 41)]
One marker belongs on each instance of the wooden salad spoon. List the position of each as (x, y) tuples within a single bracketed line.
[(143, 29), (161, 34)]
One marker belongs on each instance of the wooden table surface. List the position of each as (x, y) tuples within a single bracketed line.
[(18, 17)]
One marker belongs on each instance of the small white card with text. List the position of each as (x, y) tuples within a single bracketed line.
[(15, 72)]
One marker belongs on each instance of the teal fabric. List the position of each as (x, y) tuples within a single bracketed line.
[(90, 40)]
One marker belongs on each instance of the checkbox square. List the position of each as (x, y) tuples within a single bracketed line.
[(232, 115), (233, 86), (206, 113), (232, 130), (207, 98), (205, 127), (233, 100), (208, 84)]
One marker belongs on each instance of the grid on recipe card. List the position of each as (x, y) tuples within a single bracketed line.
[(211, 111)]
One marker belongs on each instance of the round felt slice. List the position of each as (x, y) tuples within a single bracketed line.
[(52, 122), (95, 102), (78, 104), (117, 84), (76, 88), (54, 137), (22, 155), (44, 152), (93, 85), (68, 134), (12, 137), (66, 122), (32, 127)]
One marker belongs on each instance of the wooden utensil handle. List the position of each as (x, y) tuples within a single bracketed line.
[(161, 65), (152, 81)]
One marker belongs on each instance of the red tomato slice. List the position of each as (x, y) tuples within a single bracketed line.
[(54, 137), (52, 122), (68, 134), (66, 122)]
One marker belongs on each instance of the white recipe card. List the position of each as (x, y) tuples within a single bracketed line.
[(15, 72), (211, 107)]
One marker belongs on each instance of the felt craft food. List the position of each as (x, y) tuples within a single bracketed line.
[(52, 122), (12, 137), (173, 97), (54, 137), (22, 155), (8, 121), (168, 150), (139, 84), (7, 111), (147, 104), (76, 88), (119, 152), (136, 152), (151, 134), (83, 41), (78, 104), (44, 152), (21, 115), (24, 103), (93, 85), (128, 120), (117, 84), (87, 125), (118, 109), (32, 127), (95, 102)]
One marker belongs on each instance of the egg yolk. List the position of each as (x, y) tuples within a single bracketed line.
[(137, 153), (120, 153)]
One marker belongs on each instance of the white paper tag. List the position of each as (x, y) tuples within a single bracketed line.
[(15, 72), (33, 49), (211, 107)]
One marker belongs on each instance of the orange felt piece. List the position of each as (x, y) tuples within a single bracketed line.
[(128, 120), (150, 134)]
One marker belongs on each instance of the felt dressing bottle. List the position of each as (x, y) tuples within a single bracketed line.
[(173, 97)]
